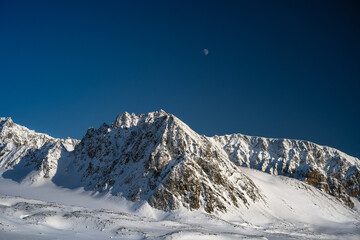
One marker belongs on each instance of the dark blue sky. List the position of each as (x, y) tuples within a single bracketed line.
[(288, 69)]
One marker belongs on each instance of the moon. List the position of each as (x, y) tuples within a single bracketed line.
[(206, 52)]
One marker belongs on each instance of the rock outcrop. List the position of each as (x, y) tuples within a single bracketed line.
[(30, 156), (157, 158), (328, 169)]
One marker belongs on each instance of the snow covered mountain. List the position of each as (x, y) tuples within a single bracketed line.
[(31, 156), (157, 158), (328, 169)]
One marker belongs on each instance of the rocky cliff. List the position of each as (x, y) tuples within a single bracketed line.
[(328, 169), (157, 158)]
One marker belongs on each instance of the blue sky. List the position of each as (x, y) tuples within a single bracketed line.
[(288, 69)]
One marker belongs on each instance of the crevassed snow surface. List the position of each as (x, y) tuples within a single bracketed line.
[(292, 210)]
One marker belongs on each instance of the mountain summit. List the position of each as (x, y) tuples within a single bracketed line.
[(157, 158), (32, 156), (325, 168)]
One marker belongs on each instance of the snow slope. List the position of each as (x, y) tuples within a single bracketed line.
[(328, 169), (145, 172), (157, 158), (292, 210), (31, 156)]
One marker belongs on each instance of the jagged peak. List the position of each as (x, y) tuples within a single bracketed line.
[(7, 124), (287, 143), (6, 121), (23, 136), (3, 119), (162, 148), (126, 120)]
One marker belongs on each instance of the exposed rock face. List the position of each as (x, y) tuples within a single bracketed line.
[(326, 168), (31, 153), (158, 158)]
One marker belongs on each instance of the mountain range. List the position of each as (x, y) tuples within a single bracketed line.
[(157, 158)]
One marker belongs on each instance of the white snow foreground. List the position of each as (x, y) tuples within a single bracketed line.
[(293, 210), (139, 177)]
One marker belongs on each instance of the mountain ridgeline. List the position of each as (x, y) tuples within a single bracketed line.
[(157, 158)]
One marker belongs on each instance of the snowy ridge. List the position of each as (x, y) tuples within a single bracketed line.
[(33, 156), (328, 169), (157, 158)]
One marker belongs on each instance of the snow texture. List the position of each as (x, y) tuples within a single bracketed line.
[(328, 169), (145, 172)]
